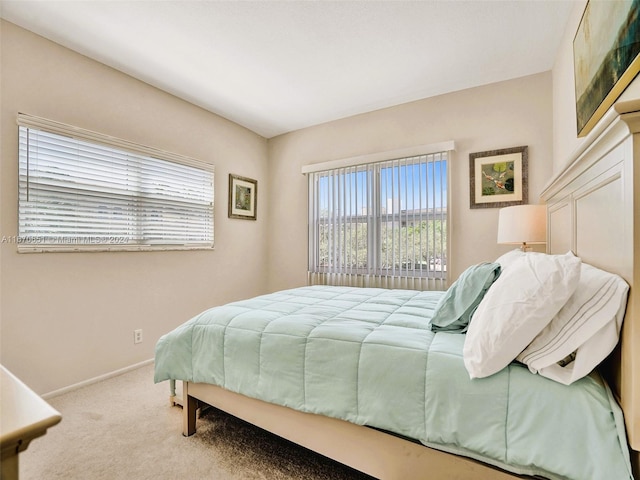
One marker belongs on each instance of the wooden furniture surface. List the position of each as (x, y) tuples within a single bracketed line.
[(594, 211), (23, 416)]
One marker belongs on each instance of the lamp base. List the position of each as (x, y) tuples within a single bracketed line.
[(526, 248)]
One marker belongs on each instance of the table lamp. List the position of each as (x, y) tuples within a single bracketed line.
[(523, 225)]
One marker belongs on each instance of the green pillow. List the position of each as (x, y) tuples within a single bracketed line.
[(454, 309)]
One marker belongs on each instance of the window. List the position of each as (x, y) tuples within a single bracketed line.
[(79, 190), (380, 220)]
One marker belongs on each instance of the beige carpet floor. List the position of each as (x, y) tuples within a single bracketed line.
[(123, 428)]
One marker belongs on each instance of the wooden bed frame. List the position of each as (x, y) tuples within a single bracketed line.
[(592, 211)]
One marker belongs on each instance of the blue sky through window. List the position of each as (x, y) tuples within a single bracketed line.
[(416, 186)]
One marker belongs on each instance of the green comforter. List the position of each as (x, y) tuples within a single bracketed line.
[(369, 356)]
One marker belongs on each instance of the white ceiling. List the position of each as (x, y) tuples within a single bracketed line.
[(278, 66)]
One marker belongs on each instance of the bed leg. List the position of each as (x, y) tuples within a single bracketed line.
[(174, 400), (189, 408)]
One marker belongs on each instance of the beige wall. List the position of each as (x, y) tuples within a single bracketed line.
[(500, 115), (565, 138), (69, 317)]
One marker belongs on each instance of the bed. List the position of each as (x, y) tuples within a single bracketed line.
[(310, 365)]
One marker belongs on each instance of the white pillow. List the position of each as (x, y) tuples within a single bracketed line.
[(584, 332), (524, 299), (508, 258)]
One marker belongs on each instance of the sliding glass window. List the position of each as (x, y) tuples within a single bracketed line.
[(83, 191), (385, 219)]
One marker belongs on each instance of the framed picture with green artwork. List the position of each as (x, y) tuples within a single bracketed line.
[(498, 178), (243, 197), (606, 57)]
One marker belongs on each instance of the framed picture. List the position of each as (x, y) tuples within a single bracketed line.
[(498, 178), (243, 197), (605, 58)]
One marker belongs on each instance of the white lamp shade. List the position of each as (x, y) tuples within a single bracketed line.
[(523, 224)]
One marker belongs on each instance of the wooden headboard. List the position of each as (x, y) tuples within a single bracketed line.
[(593, 209)]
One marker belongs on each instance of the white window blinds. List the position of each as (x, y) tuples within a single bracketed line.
[(79, 190), (380, 224)]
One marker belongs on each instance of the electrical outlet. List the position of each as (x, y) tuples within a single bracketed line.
[(137, 336)]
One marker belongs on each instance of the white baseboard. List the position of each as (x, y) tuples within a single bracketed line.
[(100, 378)]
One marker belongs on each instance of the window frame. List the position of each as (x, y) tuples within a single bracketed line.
[(82, 242), (377, 218)]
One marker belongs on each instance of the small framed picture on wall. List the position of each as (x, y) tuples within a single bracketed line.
[(498, 178), (243, 197)]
